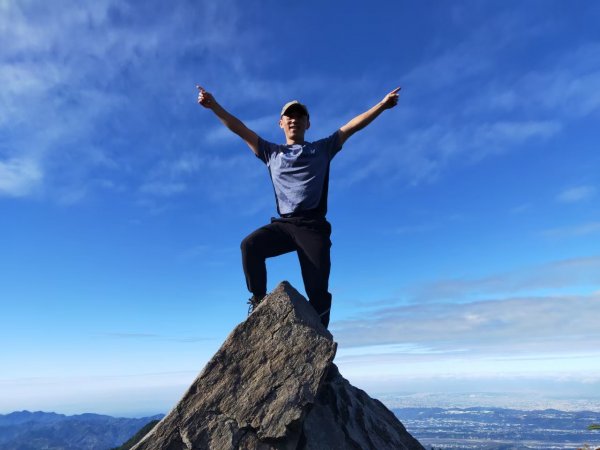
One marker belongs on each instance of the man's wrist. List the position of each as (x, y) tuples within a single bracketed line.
[(216, 108)]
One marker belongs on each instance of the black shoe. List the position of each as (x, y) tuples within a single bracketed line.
[(253, 302)]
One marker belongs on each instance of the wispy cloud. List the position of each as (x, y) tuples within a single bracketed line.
[(573, 231), (103, 96), (19, 177), (154, 337), (488, 319), (506, 326), (410, 229), (555, 275), (162, 189), (207, 174), (208, 255), (130, 335), (566, 89), (500, 112), (576, 194), (260, 125), (429, 151), (84, 99), (521, 209)]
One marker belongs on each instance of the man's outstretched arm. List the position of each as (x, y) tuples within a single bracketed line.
[(364, 119), (207, 100)]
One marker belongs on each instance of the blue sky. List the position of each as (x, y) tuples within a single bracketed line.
[(466, 227)]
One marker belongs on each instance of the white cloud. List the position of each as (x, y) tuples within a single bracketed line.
[(576, 194), (126, 62), (261, 125), (486, 325), (163, 189), (474, 111), (573, 231), (521, 209), (503, 132), (19, 177), (154, 337), (423, 153), (566, 89), (467, 59), (410, 229), (209, 172), (62, 97), (442, 145), (508, 327), (556, 275)]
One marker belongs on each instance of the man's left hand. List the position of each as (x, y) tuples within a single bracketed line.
[(391, 100)]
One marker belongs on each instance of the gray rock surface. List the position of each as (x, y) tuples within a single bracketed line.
[(344, 417), (272, 385)]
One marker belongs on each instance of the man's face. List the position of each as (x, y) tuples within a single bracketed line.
[(294, 124)]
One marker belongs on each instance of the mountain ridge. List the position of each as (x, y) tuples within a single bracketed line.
[(26, 430)]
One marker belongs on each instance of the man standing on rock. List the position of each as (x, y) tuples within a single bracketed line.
[(300, 174)]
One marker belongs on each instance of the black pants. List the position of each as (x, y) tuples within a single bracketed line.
[(309, 237)]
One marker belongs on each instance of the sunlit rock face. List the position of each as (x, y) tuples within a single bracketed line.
[(272, 385)]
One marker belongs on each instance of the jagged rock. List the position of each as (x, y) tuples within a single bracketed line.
[(344, 417), (272, 385)]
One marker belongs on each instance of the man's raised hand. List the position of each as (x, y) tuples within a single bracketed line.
[(391, 100), (205, 98)]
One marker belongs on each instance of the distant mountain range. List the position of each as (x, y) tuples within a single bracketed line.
[(439, 428), (26, 430)]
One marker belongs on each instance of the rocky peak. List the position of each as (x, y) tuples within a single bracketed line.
[(272, 385)]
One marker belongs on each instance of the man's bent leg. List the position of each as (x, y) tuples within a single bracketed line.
[(267, 241), (314, 247)]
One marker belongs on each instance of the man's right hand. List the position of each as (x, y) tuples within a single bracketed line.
[(233, 123), (206, 99)]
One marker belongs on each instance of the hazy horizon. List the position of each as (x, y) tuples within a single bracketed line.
[(523, 400)]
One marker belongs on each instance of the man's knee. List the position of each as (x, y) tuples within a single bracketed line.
[(246, 245), (249, 241), (249, 246)]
